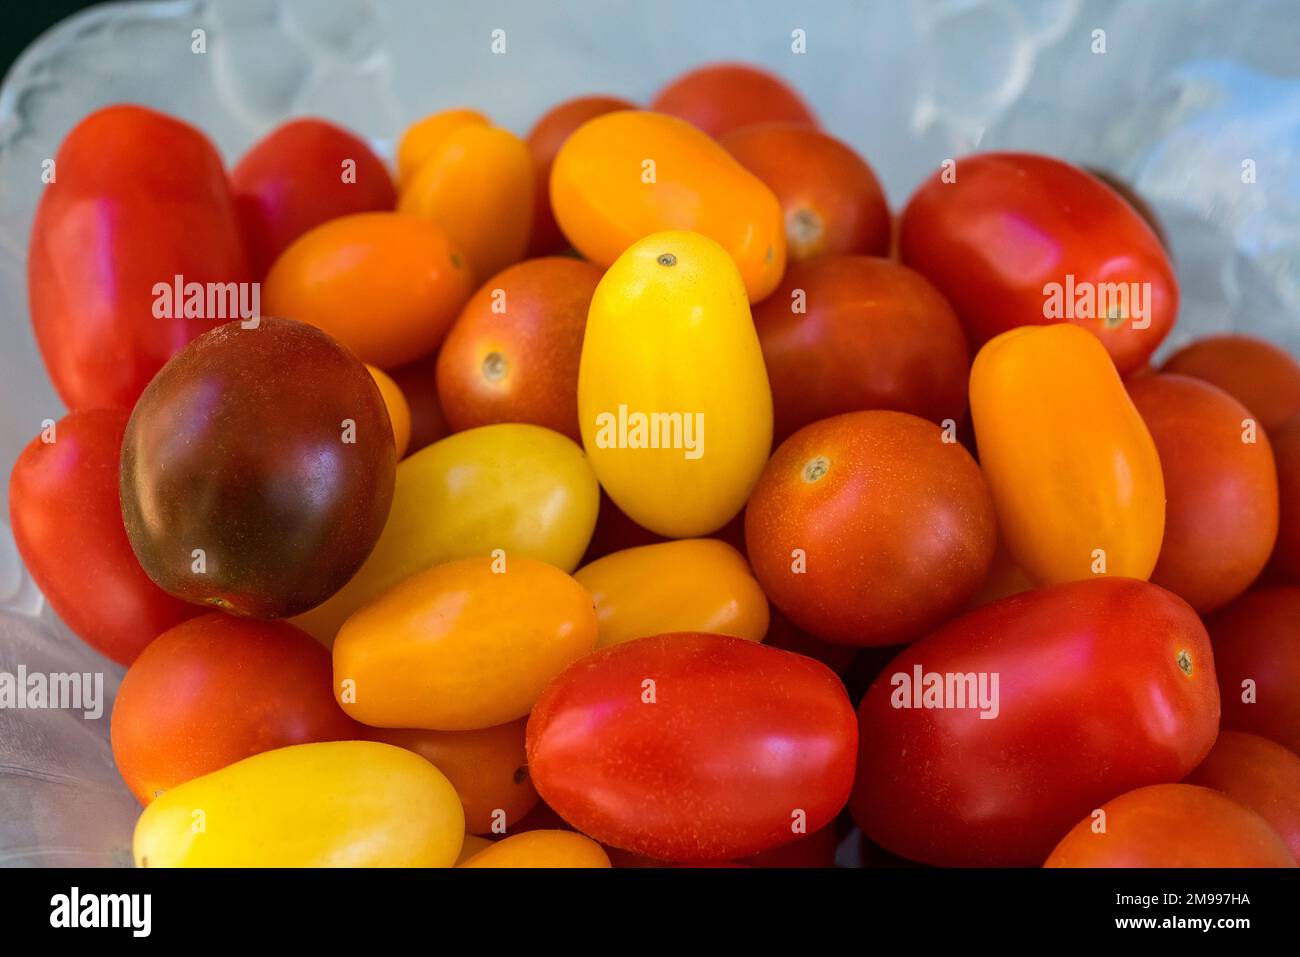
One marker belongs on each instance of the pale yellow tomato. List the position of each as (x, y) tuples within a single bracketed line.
[(542, 849)]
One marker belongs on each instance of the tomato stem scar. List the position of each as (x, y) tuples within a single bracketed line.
[(494, 366), (667, 259), (1185, 662), (816, 468)]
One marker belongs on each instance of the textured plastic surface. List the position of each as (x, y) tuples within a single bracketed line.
[(1184, 94)]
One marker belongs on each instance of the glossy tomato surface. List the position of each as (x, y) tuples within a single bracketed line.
[(1259, 774), (720, 97), (1257, 656), (1260, 375), (1101, 686), (679, 748)]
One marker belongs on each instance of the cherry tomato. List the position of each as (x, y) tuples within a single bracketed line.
[(1172, 825), (830, 198), (512, 356), (399, 413), (114, 225), (1257, 655), (844, 333), (1259, 375), (67, 524), (424, 138), (1259, 774), (462, 646), (1220, 486), (720, 97), (544, 141), (542, 849), (304, 173), (1010, 226), (1102, 686), (1286, 453), (869, 528), (671, 746), (418, 381), (213, 691), (257, 469)]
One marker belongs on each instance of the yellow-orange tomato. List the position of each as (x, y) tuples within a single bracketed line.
[(1074, 472), (696, 584), (465, 645), (477, 184), (422, 138), (520, 488), (399, 413), (308, 805), (386, 285), (542, 849), (487, 768), (623, 175)]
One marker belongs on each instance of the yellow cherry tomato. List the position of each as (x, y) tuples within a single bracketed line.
[(399, 412), (520, 488), (1073, 470), (625, 174), (542, 849), (422, 138), (696, 584), (465, 645), (331, 804), (673, 400)]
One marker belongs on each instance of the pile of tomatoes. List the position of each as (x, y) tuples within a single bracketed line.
[(644, 491)]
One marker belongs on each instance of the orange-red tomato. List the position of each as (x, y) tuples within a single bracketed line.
[(720, 97), (1172, 825), (844, 333), (1220, 489), (512, 356), (487, 768), (544, 141), (386, 285), (1257, 773), (1258, 374), (215, 690), (1286, 453), (870, 528), (830, 197), (1257, 657)]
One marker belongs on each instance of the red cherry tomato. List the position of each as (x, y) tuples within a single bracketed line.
[(138, 199), (1010, 224), (694, 747), (216, 690), (1286, 453), (1257, 656), (1102, 686), (843, 333), (1259, 375), (300, 175), (1259, 774), (67, 524), (721, 97)]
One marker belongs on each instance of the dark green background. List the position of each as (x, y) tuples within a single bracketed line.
[(24, 21)]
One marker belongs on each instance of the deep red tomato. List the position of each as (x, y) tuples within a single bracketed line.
[(674, 747), (870, 529), (1286, 453), (1220, 489), (300, 175), (138, 199), (782, 633), (215, 690), (1013, 223), (1261, 376), (720, 97), (843, 333), (1102, 686), (1257, 656), (418, 381), (67, 524), (1259, 774), (1172, 825)]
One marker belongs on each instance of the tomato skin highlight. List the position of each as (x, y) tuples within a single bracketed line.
[(1173, 825), (1257, 657), (1259, 774), (1103, 686), (715, 768)]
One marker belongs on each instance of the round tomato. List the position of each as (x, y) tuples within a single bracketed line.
[(1259, 774), (1220, 488), (720, 97), (1257, 655), (844, 333), (512, 356), (1171, 825), (542, 849), (257, 469), (215, 690), (1259, 375), (870, 528), (399, 413), (673, 746), (67, 524), (984, 741), (1286, 453), (1014, 239), (425, 137)]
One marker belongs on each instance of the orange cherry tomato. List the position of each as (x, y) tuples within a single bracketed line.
[(423, 138), (1257, 773), (720, 97), (1259, 375), (831, 199), (542, 849), (544, 141), (512, 356), (625, 175), (1220, 486), (487, 768), (399, 413), (386, 285), (1286, 453)]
